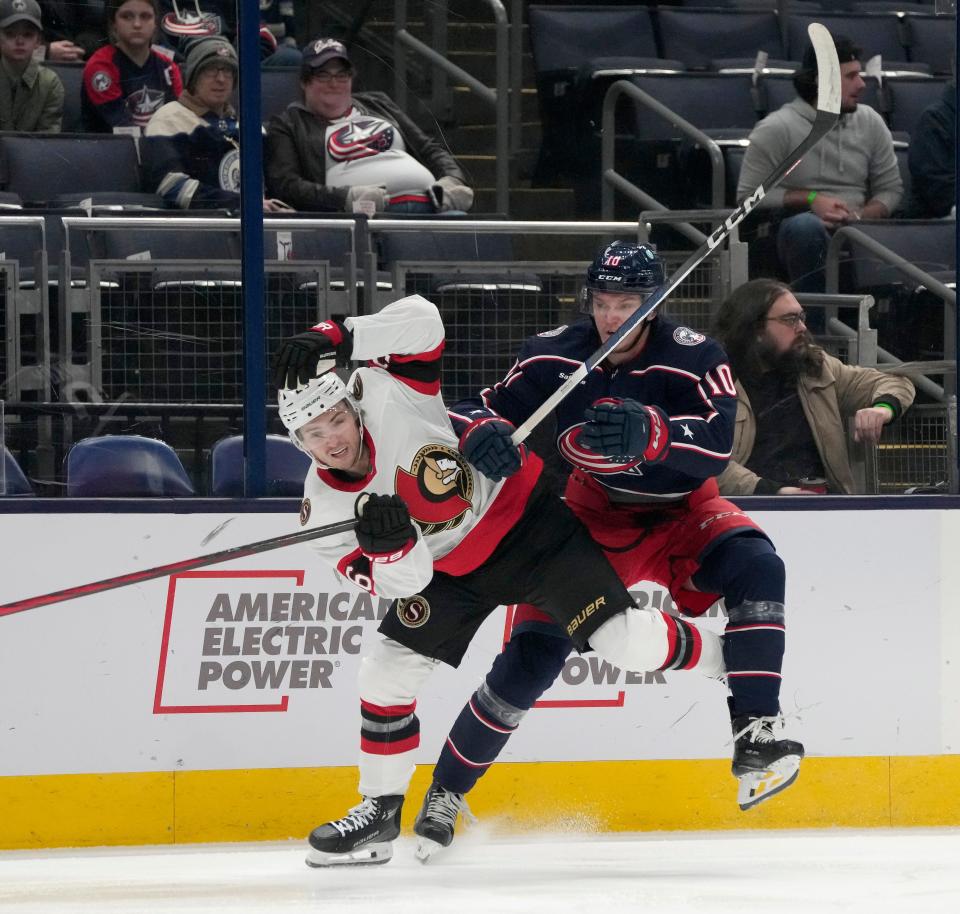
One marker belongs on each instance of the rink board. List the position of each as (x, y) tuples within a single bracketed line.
[(221, 705)]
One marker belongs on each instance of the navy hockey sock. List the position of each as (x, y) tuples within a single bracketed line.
[(751, 577), (529, 664)]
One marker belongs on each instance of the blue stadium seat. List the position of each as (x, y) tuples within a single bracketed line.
[(14, 480), (777, 90), (908, 98), (932, 41), (62, 168), (876, 33), (287, 467), (697, 36), (279, 86), (71, 75), (125, 466)]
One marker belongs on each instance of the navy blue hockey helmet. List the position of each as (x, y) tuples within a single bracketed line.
[(627, 268)]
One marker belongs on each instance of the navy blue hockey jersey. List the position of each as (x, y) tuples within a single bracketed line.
[(681, 371)]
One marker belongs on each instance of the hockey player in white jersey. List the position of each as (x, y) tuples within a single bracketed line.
[(446, 542)]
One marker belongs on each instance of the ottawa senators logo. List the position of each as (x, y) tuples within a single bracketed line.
[(413, 611), (437, 488), (304, 512)]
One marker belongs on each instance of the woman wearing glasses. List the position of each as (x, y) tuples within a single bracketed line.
[(340, 151), (793, 399)]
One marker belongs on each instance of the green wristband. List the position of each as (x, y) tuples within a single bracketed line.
[(893, 412), (811, 197)]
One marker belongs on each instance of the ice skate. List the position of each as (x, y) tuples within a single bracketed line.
[(437, 819), (363, 836), (763, 764)]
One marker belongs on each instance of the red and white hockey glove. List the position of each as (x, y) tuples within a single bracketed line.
[(626, 430), (299, 358)]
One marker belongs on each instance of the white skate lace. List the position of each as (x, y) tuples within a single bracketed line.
[(362, 814), (444, 806), (759, 730)]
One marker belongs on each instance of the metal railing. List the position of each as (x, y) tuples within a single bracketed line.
[(610, 179), (498, 97)]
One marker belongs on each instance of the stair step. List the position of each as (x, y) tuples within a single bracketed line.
[(529, 203), (469, 108), (480, 139)]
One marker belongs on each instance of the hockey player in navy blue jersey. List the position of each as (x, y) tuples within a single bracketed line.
[(645, 435)]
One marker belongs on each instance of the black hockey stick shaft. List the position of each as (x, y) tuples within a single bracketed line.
[(828, 112), (200, 561)]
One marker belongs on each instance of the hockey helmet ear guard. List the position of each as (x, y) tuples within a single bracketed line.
[(626, 268), (299, 406)]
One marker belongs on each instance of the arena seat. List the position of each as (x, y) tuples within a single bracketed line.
[(61, 168), (566, 40), (125, 466), (875, 33), (279, 86), (932, 41), (287, 467), (908, 98), (13, 481), (694, 35), (71, 75)]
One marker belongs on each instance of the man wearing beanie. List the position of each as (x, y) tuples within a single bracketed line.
[(191, 147), (851, 175)]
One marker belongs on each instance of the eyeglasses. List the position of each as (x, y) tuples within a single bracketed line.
[(791, 320), (326, 77)]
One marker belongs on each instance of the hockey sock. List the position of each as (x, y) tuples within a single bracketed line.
[(751, 577), (526, 668), (388, 737)]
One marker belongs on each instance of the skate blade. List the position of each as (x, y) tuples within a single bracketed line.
[(757, 786), (426, 848), (362, 856)]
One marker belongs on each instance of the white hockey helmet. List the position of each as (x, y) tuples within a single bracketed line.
[(299, 406)]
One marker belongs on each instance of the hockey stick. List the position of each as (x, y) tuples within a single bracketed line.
[(212, 558), (828, 112)]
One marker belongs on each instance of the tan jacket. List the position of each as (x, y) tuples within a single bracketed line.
[(837, 393)]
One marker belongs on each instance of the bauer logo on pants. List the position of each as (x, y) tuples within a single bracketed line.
[(413, 611)]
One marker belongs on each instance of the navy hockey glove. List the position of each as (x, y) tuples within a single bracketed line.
[(383, 524), (298, 357), (487, 444), (626, 429)]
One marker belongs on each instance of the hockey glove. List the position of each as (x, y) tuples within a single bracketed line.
[(383, 525), (487, 444), (626, 429), (298, 358)]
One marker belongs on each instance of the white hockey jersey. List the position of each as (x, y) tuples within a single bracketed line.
[(461, 515)]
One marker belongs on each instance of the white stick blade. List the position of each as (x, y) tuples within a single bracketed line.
[(828, 68)]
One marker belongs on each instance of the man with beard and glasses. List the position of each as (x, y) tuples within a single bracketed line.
[(793, 398)]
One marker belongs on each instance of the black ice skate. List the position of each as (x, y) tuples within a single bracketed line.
[(364, 835), (763, 764), (437, 819)]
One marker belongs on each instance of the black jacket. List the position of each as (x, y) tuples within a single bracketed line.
[(296, 166), (931, 157)]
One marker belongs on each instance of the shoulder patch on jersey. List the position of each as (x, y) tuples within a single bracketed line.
[(304, 512), (230, 171), (555, 332), (687, 337), (101, 81), (414, 611), (357, 391)]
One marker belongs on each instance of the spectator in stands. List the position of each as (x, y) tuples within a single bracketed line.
[(932, 157), (851, 175), (31, 96), (793, 398), (339, 148), (74, 29), (183, 20), (191, 147), (126, 82)]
